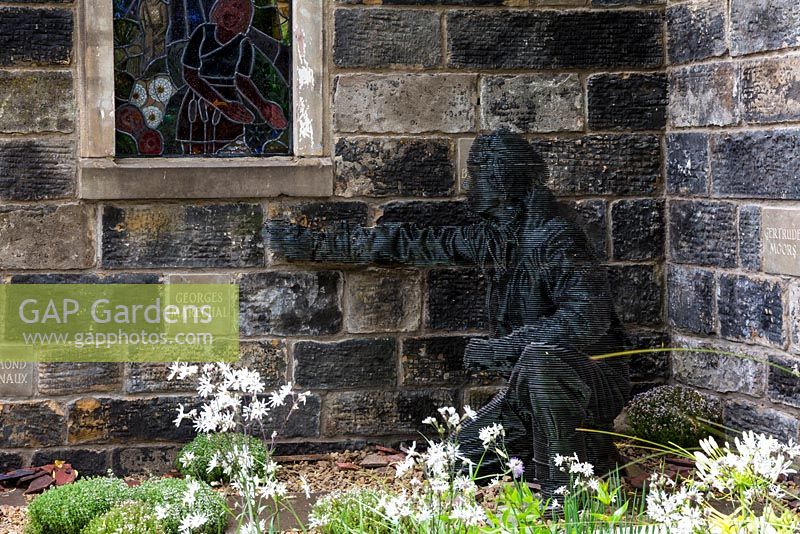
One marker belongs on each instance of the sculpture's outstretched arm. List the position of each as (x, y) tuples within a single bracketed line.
[(386, 243)]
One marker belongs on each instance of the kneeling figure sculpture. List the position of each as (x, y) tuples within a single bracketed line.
[(548, 303)]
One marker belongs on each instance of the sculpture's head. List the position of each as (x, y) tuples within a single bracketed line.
[(503, 169)]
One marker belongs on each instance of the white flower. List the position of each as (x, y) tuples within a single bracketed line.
[(191, 522), (138, 95), (278, 398), (305, 487), (488, 435), (152, 116), (469, 413), (187, 459), (256, 410), (161, 89), (162, 512), (191, 492), (184, 415)]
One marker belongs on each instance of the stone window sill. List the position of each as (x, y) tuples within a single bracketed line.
[(205, 178)]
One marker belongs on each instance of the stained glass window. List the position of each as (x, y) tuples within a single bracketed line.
[(202, 77)]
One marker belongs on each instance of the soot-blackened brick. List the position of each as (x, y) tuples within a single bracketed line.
[(758, 25), (769, 155), (750, 237), (321, 215), (750, 310), (636, 290), (385, 37), (32, 424), (353, 363), (88, 462), (649, 366), (638, 229), (427, 213), (213, 235), (627, 101), (590, 216), (784, 384), (35, 36), (695, 31), (687, 164), (703, 233), (378, 167), (690, 300), (602, 164), (290, 303), (432, 361), (552, 39), (36, 169), (456, 299), (741, 415)]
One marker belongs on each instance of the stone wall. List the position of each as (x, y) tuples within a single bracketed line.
[(412, 82), (732, 144)]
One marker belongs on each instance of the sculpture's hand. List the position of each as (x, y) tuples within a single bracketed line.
[(291, 241), (479, 355)]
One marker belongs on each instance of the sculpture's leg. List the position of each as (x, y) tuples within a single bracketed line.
[(517, 436), (563, 391)]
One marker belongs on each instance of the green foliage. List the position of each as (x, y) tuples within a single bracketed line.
[(354, 510), (127, 518), (166, 495), (195, 457), (68, 509), (672, 414)]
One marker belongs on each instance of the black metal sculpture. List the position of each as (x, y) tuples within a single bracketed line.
[(548, 302)]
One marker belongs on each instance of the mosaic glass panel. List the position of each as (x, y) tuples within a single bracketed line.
[(202, 77)]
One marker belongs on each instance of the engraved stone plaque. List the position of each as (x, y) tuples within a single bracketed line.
[(780, 238), (16, 379)]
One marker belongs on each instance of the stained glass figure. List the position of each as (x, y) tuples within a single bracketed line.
[(202, 77)]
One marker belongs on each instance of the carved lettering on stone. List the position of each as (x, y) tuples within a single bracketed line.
[(780, 235), (16, 379)]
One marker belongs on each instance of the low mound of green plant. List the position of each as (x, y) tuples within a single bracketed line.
[(127, 518), (195, 457), (672, 414), (171, 500), (68, 509), (356, 510)]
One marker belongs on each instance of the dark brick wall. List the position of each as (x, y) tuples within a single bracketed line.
[(413, 81), (731, 150)]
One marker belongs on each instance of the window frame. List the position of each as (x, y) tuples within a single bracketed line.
[(103, 176)]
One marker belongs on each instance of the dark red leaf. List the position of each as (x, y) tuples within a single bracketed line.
[(39, 484)]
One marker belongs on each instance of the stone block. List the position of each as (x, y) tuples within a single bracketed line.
[(382, 412), (723, 369), (64, 378), (353, 363), (784, 380), (477, 398), (627, 101), (750, 310), (378, 167), (46, 237), (703, 233), (750, 237), (794, 317), (742, 415), (767, 90), (36, 169), (151, 377), (35, 36), (637, 229), (17, 379), (85, 278), (12, 460), (382, 301), (690, 300), (636, 290), (759, 25), (404, 103), (591, 218), (687, 164), (503, 39), (426, 213), (703, 95), (602, 164), (172, 235), (649, 366), (437, 361), (737, 157), (696, 31), (42, 101), (88, 462), (304, 422), (290, 303), (532, 103), (148, 460), (386, 37), (456, 299), (32, 424), (124, 420)]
